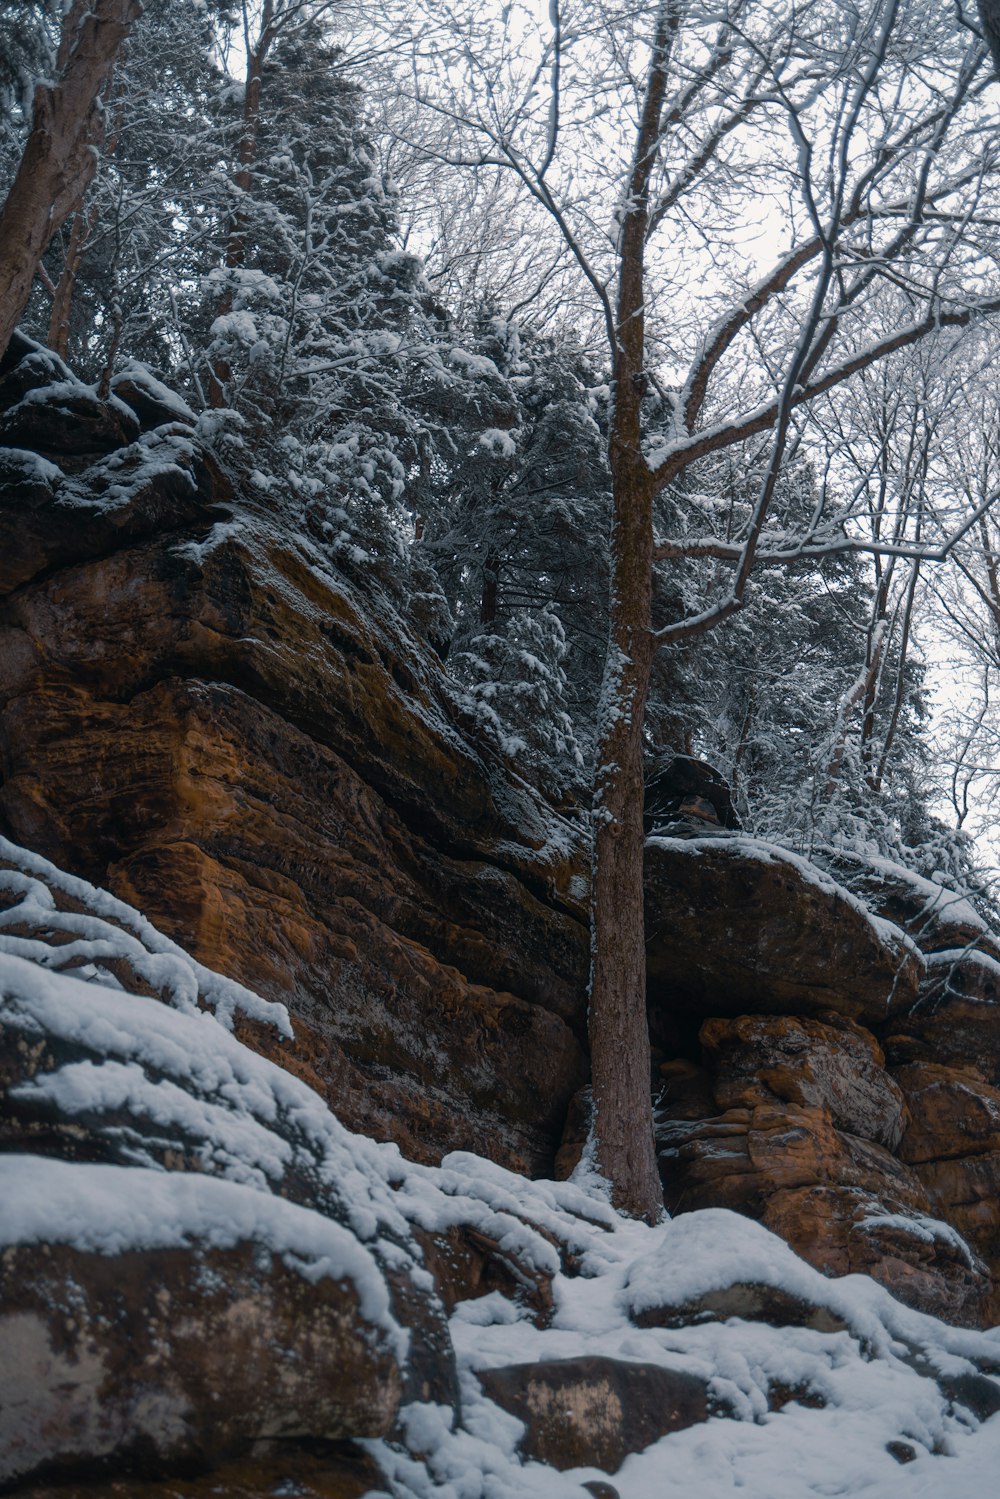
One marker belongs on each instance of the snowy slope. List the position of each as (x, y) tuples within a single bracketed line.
[(144, 1072)]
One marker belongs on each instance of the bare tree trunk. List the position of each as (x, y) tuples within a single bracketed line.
[(62, 298), (59, 160), (619, 1034)]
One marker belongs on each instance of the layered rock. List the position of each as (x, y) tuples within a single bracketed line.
[(953, 1145), (204, 718), (794, 1122)]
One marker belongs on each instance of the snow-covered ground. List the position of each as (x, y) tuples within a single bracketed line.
[(166, 1062)]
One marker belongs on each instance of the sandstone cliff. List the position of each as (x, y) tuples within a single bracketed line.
[(199, 714)]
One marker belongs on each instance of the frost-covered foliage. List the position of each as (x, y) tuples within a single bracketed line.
[(806, 700), (517, 682), (514, 504), (320, 335), (29, 36)]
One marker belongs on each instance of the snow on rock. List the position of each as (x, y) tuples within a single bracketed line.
[(101, 938), (784, 936), (193, 1166), (152, 401), (934, 914), (111, 1209)]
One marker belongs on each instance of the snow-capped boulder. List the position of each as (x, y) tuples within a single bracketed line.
[(164, 1318), (736, 926), (937, 917), (152, 402), (204, 1200), (44, 407), (845, 1204)]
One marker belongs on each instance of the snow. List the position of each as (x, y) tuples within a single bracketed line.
[(162, 1074), (139, 375), (30, 465), (952, 957), (872, 1394), (40, 895), (111, 1209), (498, 442), (938, 902)]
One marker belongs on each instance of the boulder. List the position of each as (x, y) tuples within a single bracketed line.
[(750, 1301), (953, 1146), (735, 926), (44, 407), (48, 520), (178, 1356), (681, 791), (467, 1263), (937, 917), (922, 1260), (594, 1411), (829, 1062), (953, 1112), (152, 402), (160, 1095), (310, 1470)]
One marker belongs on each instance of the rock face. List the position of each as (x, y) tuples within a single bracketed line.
[(832, 1064), (201, 717), (197, 712), (736, 927), (804, 1021)]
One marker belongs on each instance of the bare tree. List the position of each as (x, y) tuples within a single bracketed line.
[(59, 158), (654, 140)]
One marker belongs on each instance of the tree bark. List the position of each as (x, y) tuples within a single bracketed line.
[(62, 300), (619, 1033), (60, 156)]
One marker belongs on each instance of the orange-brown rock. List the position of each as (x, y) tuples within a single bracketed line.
[(846, 1230), (841, 1202), (735, 927), (953, 1144), (830, 1063), (954, 1112), (224, 737)]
